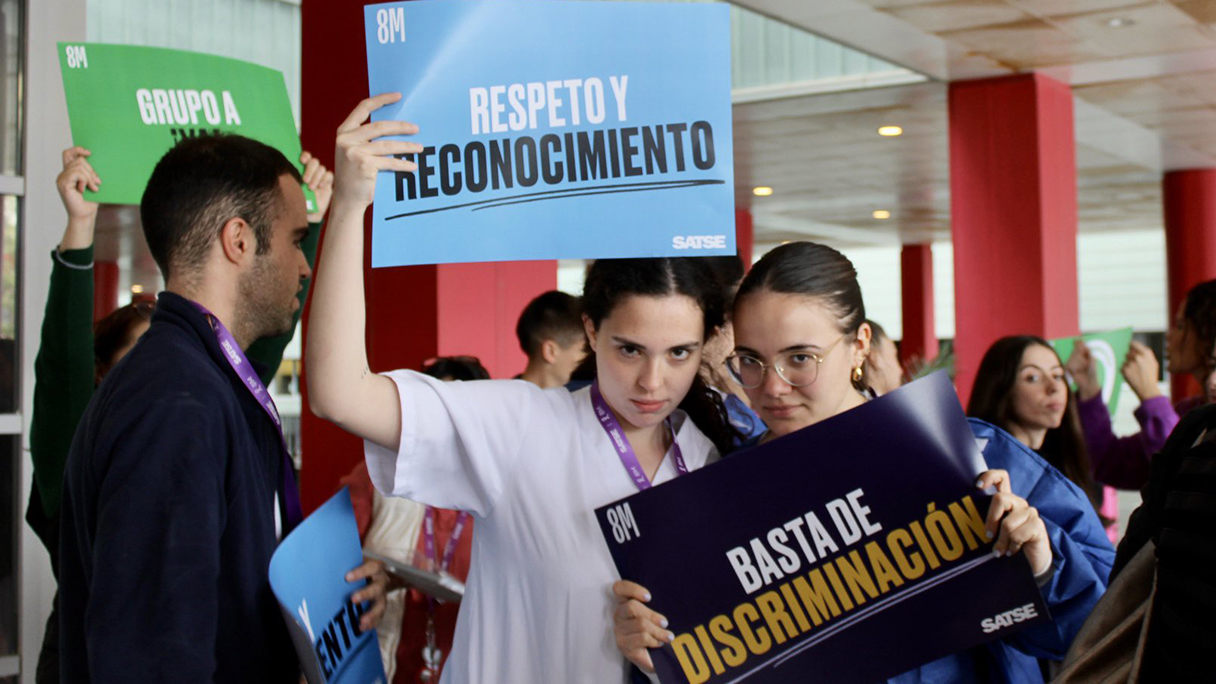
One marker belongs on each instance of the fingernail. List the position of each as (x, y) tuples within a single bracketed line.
[(979, 484), (670, 637), (647, 597), (663, 624), (996, 553)]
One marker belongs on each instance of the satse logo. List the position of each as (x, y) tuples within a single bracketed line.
[(1008, 618), (698, 242)]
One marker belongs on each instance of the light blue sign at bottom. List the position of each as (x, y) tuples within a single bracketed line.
[(307, 574), (554, 130)]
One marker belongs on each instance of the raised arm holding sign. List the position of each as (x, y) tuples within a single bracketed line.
[(529, 464)]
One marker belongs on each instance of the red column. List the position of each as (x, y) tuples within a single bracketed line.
[(1189, 198), (105, 289), (1013, 206), (414, 312), (744, 237), (916, 279)]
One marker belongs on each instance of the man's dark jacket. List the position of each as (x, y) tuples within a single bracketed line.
[(168, 520)]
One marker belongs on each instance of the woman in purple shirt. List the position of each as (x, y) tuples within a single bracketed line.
[(1123, 462)]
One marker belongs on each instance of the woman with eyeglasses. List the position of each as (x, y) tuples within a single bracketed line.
[(74, 354), (800, 346)]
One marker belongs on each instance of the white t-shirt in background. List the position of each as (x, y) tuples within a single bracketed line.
[(532, 465)]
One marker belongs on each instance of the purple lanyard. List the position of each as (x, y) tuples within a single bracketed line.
[(293, 514), (624, 449), (449, 549)]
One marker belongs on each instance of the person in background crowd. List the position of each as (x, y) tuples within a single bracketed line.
[(452, 368), (391, 526), (800, 343), (729, 270), (1020, 388), (178, 485), (1156, 623), (550, 332), (74, 354), (883, 371), (1124, 462), (529, 464)]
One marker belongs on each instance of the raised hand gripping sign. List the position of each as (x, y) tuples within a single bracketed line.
[(129, 104), (852, 550), (1109, 350), (554, 130)]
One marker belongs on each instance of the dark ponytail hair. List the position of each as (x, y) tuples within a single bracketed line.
[(812, 270), (609, 281), (1199, 312), (992, 401)]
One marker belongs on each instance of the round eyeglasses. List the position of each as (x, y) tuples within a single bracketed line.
[(797, 368)]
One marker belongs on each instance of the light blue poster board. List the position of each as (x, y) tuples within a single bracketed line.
[(307, 574), (554, 130)]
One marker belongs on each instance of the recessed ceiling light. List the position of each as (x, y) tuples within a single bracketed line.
[(890, 131), (882, 214), (1120, 22), (762, 191), (137, 289)]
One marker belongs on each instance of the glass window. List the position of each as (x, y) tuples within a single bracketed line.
[(12, 24), (8, 304)]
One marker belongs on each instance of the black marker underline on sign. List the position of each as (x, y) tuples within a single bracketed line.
[(584, 192), (563, 194)]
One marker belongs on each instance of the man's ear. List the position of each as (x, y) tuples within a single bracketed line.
[(238, 241), (589, 328), (549, 350)]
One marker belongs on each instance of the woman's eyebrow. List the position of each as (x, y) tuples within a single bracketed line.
[(1040, 368)]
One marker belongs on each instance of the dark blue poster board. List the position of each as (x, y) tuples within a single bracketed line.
[(852, 550)]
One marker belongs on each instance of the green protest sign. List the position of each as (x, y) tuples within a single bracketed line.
[(1109, 350), (129, 104)]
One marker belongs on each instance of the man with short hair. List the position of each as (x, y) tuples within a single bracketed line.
[(178, 485), (550, 331)]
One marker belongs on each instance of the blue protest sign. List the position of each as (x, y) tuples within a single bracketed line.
[(307, 574), (852, 550), (554, 130)]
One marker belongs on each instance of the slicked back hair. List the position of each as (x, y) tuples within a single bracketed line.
[(816, 271)]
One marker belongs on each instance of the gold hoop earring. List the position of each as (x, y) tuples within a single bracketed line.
[(857, 374)]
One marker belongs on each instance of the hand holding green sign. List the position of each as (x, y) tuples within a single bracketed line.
[(1094, 362), (128, 104)]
